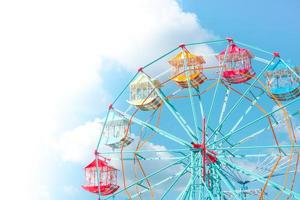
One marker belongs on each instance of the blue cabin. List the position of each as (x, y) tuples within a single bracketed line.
[(283, 83)]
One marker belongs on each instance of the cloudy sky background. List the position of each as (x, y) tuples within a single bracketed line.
[(57, 58)]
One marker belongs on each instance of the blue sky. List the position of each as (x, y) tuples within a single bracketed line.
[(67, 72)]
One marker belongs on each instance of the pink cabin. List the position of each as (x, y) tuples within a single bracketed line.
[(236, 64), (107, 183)]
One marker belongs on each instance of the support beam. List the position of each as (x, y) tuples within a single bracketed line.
[(187, 74), (150, 175), (262, 179), (175, 181), (217, 86), (238, 102), (254, 121), (227, 182), (156, 184), (153, 128), (258, 147), (173, 111), (250, 136), (148, 151)]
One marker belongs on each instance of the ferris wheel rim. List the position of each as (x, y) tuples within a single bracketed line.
[(112, 109)]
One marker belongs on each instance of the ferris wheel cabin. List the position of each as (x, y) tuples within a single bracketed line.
[(143, 94), (236, 63), (187, 67), (117, 131), (283, 83), (107, 183)]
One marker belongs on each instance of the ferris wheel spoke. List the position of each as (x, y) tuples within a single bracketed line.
[(253, 103), (257, 133), (256, 120), (216, 88), (153, 128), (187, 74), (173, 111), (157, 184), (257, 147), (199, 94), (184, 192), (243, 156), (221, 134), (274, 175), (227, 182), (238, 102), (147, 158), (179, 151), (261, 179), (226, 97), (263, 168), (267, 168), (200, 103), (175, 181), (253, 135), (286, 164), (147, 177), (256, 98)]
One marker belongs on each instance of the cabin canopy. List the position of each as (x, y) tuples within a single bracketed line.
[(187, 67), (234, 54), (107, 181), (283, 83), (185, 56), (143, 94), (236, 64)]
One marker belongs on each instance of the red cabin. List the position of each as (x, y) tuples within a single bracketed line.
[(107, 183), (237, 64)]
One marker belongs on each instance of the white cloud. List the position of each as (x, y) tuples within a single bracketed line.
[(70, 190), (78, 145), (151, 27), (53, 51)]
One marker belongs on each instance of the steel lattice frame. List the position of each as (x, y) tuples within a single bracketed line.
[(226, 178)]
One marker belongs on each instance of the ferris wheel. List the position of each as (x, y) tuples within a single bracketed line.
[(218, 123)]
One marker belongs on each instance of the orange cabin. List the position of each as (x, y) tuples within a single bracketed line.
[(187, 67)]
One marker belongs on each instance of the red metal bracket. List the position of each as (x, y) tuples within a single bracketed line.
[(276, 54), (229, 39), (140, 69), (182, 45)]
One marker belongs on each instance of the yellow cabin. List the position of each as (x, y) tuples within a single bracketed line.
[(186, 63), (143, 95)]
